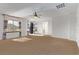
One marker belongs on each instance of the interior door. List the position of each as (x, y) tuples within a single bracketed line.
[(45, 28)]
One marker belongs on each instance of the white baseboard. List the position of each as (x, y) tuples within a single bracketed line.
[(77, 43), (63, 37), (68, 39)]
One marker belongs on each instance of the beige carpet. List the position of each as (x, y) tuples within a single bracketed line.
[(39, 45)]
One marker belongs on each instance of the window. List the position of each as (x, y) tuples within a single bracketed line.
[(12, 26)]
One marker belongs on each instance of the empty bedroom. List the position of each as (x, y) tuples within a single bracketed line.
[(39, 28)]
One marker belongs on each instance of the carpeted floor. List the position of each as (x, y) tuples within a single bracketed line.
[(39, 45)]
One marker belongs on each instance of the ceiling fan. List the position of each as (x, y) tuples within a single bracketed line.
[(36, 15)]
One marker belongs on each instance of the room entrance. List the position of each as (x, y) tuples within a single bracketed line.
[(38, 28)]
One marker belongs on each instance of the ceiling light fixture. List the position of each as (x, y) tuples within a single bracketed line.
[(60, 5), (35, 15)]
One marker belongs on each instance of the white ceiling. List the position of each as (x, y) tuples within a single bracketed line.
[(26, 9)]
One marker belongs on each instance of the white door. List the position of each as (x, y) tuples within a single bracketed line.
[(45, 28)]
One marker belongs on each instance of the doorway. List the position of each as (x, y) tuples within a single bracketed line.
[(31, 27), (45, 28)]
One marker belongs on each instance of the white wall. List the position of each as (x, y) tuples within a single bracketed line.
[(24, 27), (42, 29), (77, 27), (64, 22), (64, 26), (1, 26), (61, 26)]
